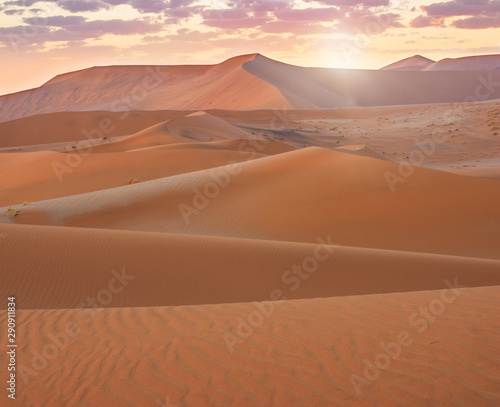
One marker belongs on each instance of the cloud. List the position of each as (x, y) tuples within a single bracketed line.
[(426, 21), (260, 7), (297, 28), (478, 23), (76, 6), (352, 3), (55, 21), (312, 14), (73, 29), (231, 19), (367, 22), (458, 8), (12, 12), (20, 3), (479, 14), (157, 6)]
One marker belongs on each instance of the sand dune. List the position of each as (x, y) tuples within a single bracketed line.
[(252, 82), (123, 88), (305, 353), (198, 126), (75, 264), (491, 172), (414, 63), (72, 126), (286, 197), (328, 88), (472, 63), (38, 176)]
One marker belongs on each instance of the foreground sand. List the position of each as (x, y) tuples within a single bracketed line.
[(303, 353)]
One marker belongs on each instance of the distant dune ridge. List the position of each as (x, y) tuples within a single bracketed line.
[(472, 63), (254, 233), (414, 63), (252, 82)]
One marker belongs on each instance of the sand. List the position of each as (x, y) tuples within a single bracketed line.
[(305, 353), (261, 244)]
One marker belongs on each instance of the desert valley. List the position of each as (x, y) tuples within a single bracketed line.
[(254, 233)]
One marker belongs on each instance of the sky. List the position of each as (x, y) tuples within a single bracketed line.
[(40, 39)]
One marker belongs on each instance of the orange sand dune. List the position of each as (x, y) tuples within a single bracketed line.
[(247, 82), (123, 88), (38, 176), (199, 126), (470, 63), (72, 126), (75, 264), (298, 196), (467, 133), (305, 353), (265, 147), (414, 63)]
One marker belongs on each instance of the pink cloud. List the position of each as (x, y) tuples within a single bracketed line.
[(426, 21), (478, 23), (352, 3), (312, 14), (480, 14)]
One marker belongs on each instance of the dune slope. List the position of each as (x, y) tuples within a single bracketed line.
[(297, 196), (152, 269)]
